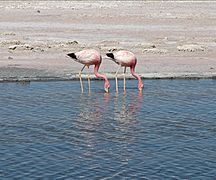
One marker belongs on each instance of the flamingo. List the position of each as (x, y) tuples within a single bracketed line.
[(90, 57), (125, 59)]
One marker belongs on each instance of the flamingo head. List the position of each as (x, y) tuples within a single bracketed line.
[(140, 85), (106, 86)]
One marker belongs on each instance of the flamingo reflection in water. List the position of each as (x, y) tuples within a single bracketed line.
[(109, 120)]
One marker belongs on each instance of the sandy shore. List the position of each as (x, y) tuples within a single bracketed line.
[(170, 39)]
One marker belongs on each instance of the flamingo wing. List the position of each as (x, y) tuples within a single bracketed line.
[(88, 56), (123, 58)]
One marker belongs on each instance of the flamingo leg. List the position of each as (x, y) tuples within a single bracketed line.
[(124, 79), (80, 76), (116, 78), (89, 81)]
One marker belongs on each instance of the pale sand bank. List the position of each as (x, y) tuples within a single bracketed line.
[(170, 39)]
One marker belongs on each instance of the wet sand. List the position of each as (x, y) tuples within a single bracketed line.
[(170, 39)]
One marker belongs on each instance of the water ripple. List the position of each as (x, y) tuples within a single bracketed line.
[(50, 130)]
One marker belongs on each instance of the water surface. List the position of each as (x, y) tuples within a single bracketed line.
[(50, 130)]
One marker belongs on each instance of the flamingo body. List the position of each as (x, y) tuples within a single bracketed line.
[(90, 57), (126, 59), (87, 57)]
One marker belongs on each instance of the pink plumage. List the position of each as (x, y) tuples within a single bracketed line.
[(126, 59), (90, 57)]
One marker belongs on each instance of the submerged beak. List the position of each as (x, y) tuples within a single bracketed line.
[(140, 89), (106, 90)]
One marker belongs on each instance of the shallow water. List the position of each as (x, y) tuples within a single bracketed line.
[(50, 130)]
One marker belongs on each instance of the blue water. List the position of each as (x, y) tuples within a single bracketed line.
[(49, 130)]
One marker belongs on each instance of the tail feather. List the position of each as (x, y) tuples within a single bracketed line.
[(110, 55), (72, 55)]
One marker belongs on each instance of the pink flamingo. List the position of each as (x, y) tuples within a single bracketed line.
[(126, 59), (90, 57)]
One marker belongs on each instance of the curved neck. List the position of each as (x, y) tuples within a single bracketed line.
[(96, 68), (132, 68)]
